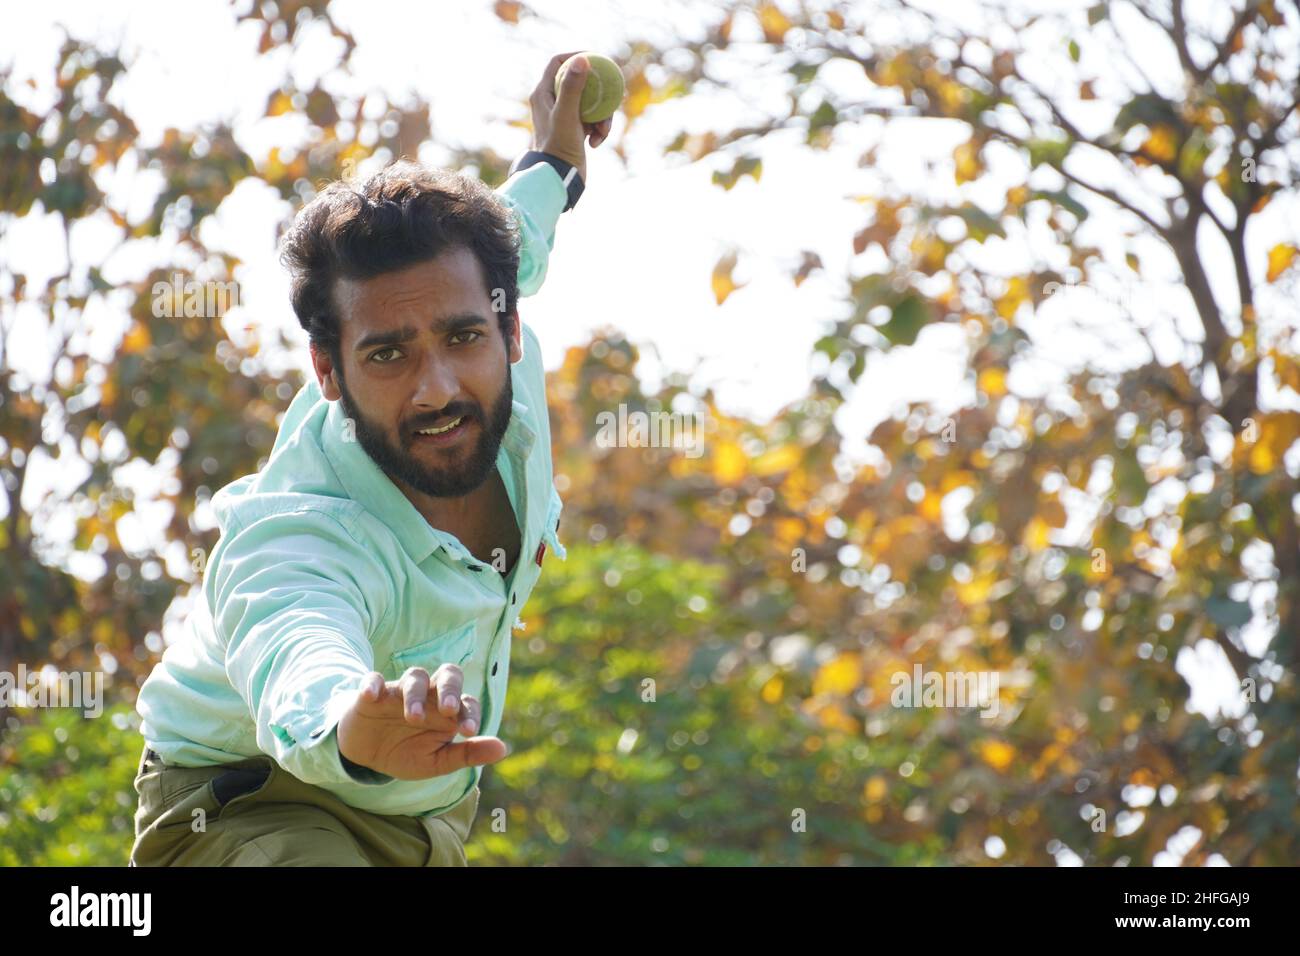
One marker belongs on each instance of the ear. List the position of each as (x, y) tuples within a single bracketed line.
[(324, 369), (516, 347)]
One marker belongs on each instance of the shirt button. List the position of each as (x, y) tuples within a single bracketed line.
[(494, 670)]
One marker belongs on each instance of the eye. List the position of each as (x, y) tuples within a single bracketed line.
[(374, 356), (477, 335)]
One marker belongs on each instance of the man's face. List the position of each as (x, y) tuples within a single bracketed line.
[(420, 348)]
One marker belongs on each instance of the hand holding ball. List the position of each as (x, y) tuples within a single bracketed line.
[(603, 91)]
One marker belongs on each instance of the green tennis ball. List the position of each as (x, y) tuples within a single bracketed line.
[(603, 91)]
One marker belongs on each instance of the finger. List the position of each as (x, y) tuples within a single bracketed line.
[(449, 681), (474, 752), (547, 83), (569, 102), (371, 690), (598, 132), (415, 690), (469, 714)]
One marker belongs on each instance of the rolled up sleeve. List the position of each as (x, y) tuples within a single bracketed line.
[(537, 196), (295, 599)]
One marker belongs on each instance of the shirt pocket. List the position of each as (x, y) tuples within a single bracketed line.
[(452, 647)]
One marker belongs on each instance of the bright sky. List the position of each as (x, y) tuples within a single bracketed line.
[(638, 251)]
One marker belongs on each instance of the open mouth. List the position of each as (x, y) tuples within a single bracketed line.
[(444, 434)]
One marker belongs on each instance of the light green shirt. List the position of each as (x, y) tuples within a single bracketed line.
[(325, 571)]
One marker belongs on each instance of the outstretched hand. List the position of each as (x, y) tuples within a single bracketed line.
[(406, 728)]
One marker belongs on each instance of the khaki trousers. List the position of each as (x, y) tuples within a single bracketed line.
[(254, 813)]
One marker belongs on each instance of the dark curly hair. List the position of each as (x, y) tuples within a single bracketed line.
[(404, 214)]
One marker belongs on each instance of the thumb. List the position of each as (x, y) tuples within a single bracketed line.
[(570, 96), (372, 689)]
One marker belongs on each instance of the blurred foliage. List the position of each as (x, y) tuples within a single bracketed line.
[(768, 589), (70, 800)]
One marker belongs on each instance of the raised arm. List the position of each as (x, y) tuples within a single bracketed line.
[(537, 197), (537, 191)]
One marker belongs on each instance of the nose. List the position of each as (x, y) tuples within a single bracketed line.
[(438, 386)]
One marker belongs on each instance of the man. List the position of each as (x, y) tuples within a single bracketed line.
[(353, 631)]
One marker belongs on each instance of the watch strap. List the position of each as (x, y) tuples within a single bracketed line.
[(568, 172)]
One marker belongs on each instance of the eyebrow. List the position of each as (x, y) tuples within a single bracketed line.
[(458, 322)]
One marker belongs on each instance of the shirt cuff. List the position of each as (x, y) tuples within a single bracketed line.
[(542, 189), (314, 747)]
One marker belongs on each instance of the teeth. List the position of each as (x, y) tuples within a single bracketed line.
[(444, 428)]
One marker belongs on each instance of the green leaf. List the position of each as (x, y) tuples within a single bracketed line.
[(1074, 51), (1149, 109), (1048, 151), (804, 72), (824, 115), (1227, 612), (744, 166), (980, 224), (905, 324), (1063, 199)]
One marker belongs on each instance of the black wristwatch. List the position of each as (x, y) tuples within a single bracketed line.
[(568, 172)]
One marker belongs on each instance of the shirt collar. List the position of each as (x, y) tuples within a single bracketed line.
[(370, 487)]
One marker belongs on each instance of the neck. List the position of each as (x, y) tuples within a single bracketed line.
[(452, 515)]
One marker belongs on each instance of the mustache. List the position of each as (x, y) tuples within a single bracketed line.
[(445, 418)]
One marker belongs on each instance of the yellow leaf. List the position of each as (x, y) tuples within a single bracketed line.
[(1162, 144), (137, 340), (789, 532), (1017, 292), (729, 463), (976, 591), (966, 158), (723, 283), (993, 382), (281, 103), (724, 29), (771, 692), (102, 631), (507, 10), (639, 93), (1287, 369), (875, 790), (1277, 433), (774, 22), (1279, 260), (956, 479), (841, 676), (834, 718), (997, 754), (779, 459), (1036, 534)]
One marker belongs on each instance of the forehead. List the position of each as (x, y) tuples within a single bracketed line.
[(452, 282)]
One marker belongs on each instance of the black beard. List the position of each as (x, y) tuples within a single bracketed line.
[(454, 482)]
